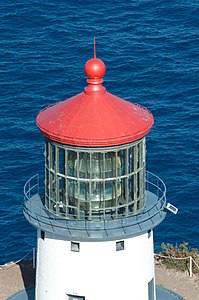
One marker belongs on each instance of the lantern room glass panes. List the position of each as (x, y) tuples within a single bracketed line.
[(95, 183)]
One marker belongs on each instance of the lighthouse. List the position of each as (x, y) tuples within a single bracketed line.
[(96, 213)]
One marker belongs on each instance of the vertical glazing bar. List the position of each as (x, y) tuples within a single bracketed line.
[(116, 183), (78, 188), (66, 180), (141, 178), (104, 184), (45, 180), (57, 179), (141, 154), (144, 164), (50, 174), (100, 157), (90, 186), (135, 178), (126, 151), (144, 150), (132, 170), (113, 185), (141, 195)]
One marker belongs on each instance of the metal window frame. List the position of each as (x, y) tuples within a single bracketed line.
[(75, 297), (42, 235), (131, 204), (75, 246), (119, 245)]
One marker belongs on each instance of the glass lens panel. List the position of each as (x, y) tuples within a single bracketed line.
[(122, 170), (97, 165), (61, 168), (84, 191), (131, 159), (84, 165), (53, 157), (110, 165), (131, 188), (97, 195), (124, 197), (139, 155), (72, 163), (72, 187)]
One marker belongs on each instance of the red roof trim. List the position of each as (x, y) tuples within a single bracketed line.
[(88, 139), (94, 142)]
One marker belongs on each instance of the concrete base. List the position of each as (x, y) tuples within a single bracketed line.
[(162, 294)]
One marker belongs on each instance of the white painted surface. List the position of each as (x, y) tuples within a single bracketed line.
[(97, 272)]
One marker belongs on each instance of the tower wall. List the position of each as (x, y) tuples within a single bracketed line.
[(98, 271)]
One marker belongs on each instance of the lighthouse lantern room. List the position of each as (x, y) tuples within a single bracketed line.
[(95, 218)]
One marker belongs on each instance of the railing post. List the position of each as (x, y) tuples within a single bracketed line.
[(147, 179), (33, 258), (38, 183), (158, 190), (190, 267), (29, 189)]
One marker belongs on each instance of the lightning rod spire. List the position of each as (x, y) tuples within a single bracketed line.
[(94, 47)]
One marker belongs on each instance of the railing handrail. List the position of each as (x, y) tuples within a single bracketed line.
[(13, 263), (159, 180), (191, 260), (152, 180), (156, 185), (159, 185), (28, 187)]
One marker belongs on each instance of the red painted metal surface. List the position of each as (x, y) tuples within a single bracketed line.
[(95, 118)]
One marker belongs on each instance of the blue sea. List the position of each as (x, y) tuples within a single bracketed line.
[(150, 49)]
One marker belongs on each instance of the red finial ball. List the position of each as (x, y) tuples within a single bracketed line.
[(95, 68)]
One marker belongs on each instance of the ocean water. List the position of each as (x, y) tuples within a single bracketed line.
[(150, 49)]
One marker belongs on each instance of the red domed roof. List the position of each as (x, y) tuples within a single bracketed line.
[(94, 118)]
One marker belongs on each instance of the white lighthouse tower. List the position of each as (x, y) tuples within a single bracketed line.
[(95, 218)]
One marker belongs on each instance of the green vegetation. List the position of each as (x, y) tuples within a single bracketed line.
[(172, 257)]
